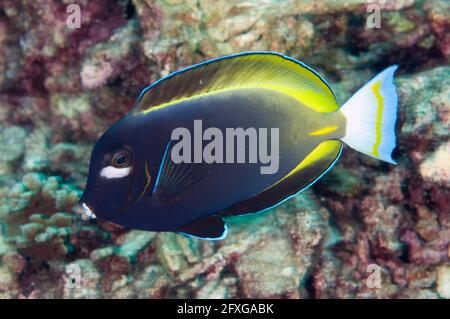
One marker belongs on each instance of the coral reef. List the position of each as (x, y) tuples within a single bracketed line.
[(60, 88)]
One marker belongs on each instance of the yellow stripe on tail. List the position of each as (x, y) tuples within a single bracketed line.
[(376, 90)]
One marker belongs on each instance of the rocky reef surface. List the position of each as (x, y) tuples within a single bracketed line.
[(366, 230)]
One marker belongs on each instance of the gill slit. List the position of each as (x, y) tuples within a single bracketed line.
[(149, 179)]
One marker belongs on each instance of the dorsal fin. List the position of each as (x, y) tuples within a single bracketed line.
[(314, 166), (265, 70)]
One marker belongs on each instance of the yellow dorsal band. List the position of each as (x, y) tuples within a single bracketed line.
[(379, 119), (308, 96), (324, 131)]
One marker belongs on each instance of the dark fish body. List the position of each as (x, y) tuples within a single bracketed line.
[(250, 90)]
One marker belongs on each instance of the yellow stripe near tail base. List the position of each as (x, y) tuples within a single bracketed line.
[(324, 131)]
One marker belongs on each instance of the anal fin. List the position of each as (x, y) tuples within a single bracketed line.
[(321, 159), (208, 228)]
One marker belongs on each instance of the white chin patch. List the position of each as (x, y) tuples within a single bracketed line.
[(87, 212), (113, 172)]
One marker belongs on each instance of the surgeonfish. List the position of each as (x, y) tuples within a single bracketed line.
[(134, 180)]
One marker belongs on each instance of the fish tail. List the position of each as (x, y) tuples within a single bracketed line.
[(371, 115)]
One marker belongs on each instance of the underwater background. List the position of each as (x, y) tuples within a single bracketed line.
[(366, 230)]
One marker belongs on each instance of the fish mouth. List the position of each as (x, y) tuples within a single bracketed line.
[(86, 212)]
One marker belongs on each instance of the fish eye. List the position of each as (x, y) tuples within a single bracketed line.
[(121, 159)]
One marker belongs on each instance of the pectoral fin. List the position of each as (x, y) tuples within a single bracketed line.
[(208, 228), (173, 178)]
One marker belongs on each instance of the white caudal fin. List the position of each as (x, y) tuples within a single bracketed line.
[(371, 116)]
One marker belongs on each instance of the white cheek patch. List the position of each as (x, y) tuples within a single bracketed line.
[(113, 172)]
